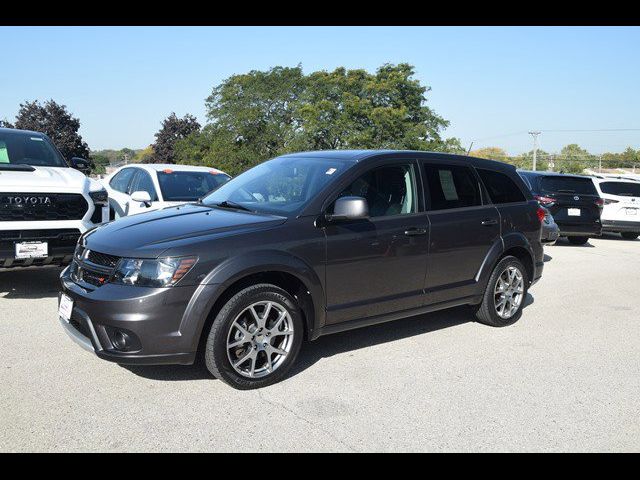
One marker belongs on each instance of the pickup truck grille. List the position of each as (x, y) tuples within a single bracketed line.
[(17, 207)]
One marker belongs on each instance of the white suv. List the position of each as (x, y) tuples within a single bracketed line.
[(45, 205), (621, 211)]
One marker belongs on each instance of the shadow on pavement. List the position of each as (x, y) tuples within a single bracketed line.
[(563, 242), (42, 282), (331, 345)]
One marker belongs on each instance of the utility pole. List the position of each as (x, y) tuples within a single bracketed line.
[(600, 164), (535, 147)]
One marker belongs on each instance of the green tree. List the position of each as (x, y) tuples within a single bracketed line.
[(6, 124), (261, 114), (574, 159), (173, 129), (491, 153), (57, 123)]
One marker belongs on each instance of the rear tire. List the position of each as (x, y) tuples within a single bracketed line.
[(489, 311), (578, 240), (629, 235), (261, 324)]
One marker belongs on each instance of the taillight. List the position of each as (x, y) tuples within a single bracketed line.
[(600, 202), (608, 201), (544, 200), (541, 214)]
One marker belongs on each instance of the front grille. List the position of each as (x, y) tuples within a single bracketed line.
[(102, 259), (93, 268), (16, 207), (64, 234), (94, 278)]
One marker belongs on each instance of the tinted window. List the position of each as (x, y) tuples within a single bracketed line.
[(559, 184), (388, 190), (621, 188), (121, 181), (283, 185), (188, 186), (451, 186), (143, 183), (500, 187), (22, 148)]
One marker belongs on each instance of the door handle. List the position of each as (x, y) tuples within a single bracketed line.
[(412, 232), (489, 222)]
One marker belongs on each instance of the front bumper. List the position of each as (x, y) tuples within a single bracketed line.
[(620, 226), (152, 319), (580, 230)]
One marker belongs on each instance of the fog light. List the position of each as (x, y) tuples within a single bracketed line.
[(121, 340)]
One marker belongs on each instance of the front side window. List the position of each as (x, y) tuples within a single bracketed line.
[(188, 186), (144, 183), (625, 189), (500, 187), (17, 148), (389, 190), (121, 180), (451, 186), (282, 186)]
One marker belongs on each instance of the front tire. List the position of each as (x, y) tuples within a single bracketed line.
[(504, 296), (629, 235), (578, 240), (255, 338)]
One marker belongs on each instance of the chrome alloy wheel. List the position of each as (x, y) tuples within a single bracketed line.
[(509, 292), (260, 339)]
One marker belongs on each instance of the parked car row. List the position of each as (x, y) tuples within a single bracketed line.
[(46, 203), (167, 262), (585, 206)]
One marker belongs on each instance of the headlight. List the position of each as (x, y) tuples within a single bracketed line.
[(163, 272), (100, 197)]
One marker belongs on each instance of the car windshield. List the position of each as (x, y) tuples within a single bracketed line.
[(282, 186), (625, 189), (188, 186), (559, 184), (20, 148)]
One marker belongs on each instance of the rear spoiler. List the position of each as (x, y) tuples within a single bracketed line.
[(20, 167)]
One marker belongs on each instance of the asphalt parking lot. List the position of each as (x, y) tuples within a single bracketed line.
[(566, 377)]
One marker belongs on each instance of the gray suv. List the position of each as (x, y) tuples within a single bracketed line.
[(301, 246)]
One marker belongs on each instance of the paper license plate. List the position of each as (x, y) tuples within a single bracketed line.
[(573, 212), (32, 250), (65, 307)]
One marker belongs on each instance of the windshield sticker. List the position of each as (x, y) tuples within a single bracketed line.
[(448, 185), (331, 171), (4, 154), (37, 139)]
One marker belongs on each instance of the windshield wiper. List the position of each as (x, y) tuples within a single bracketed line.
[(229, 204)]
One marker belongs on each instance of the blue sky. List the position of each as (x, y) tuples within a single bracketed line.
[(492, 83)]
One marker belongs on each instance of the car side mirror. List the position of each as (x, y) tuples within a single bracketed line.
[(81, 164), (349, 208), (142, 197)]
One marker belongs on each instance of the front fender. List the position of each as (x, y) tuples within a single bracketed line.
[(230, 271)]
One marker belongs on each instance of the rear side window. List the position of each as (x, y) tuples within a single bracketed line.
[(559, 184), (451, 186), (121, 181), (624, 189), (500, 187)]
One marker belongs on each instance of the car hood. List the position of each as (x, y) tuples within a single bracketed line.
[(45, 179), (148, 235)]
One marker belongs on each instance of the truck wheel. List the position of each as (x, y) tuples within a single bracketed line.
[(505, 293), (629, 235), (255, 338), (578, 240)]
